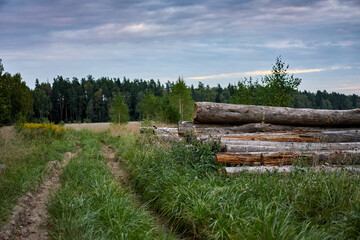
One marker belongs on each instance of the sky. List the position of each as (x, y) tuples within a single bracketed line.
[(215, 42)]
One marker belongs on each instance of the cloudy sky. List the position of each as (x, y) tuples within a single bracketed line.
[(209, 41)]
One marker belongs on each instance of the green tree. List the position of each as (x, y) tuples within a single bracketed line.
[(325, 104), (180, 98), (16, 101), (249, 91), (119, 111), (168, 112), (275, 89), (5, 104), (90, 115), (42, 104), (280, 85), (148, 107)]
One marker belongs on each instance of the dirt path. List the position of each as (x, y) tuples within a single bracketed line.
[(29, 216), (123, 178)]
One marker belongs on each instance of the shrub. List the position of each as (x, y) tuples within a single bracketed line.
[(47, 129)]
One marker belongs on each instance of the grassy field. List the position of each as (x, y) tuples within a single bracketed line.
[(180, 181), (92, 205), (170, 182)]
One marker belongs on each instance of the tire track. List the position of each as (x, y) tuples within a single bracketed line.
[(29, 218), (123, 179)]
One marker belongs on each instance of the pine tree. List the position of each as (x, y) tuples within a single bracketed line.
[(180, 98), (119, 111)]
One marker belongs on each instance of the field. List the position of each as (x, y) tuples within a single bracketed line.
[(105, 181)]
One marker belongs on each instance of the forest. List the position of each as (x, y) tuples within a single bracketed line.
[(120, 100)]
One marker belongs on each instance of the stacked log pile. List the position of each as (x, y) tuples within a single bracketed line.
[(165, 132), (277, 136)]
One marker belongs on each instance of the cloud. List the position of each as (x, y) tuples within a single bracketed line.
[(340, 68), (355, 89), (282, 44), (253, 73), (108, 31), (192, 38)]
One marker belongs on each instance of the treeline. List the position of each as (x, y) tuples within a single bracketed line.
[(114, 99)]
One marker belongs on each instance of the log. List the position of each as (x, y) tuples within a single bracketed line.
[(263, 146), (288, 158), (234, 171), (217, 130), (352, 135), (166, 131), (207, 112)]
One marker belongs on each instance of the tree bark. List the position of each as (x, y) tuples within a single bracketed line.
[(234, 171), (262, 146), (207, 112), (288, 158), (352, 135), (220, 129)]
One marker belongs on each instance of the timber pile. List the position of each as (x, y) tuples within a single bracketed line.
[(163, 132), (277, 136)]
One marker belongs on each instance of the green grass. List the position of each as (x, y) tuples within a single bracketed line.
[(26, 161), (180, 181), (92, 205)]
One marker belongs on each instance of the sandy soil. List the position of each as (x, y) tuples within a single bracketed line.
[(29, 216)]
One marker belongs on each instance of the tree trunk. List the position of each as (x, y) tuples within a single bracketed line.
[(352, 135), (288, 158), (217, 130), (234, 171), (263, 146), (207, 112)]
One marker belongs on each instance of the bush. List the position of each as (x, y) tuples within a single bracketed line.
[(47, 129)]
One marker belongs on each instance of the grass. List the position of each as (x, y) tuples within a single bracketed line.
[(92, 205), (119, 130), (180, 181), (94, 127), (25, 158)]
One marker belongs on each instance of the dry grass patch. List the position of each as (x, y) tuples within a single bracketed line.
[(94, 127), (11, 145), (118, 130)]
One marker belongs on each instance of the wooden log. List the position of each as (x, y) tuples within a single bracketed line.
[(263, 146), (207, 112), (352, 135), (166, 131), (217, 130), (287, 158), (272, 137), (234, 171)]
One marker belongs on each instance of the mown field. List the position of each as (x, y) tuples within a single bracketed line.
[(169, 190)]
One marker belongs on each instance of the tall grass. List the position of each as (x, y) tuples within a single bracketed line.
[(92, 205), (26, 161), (180, 181)]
